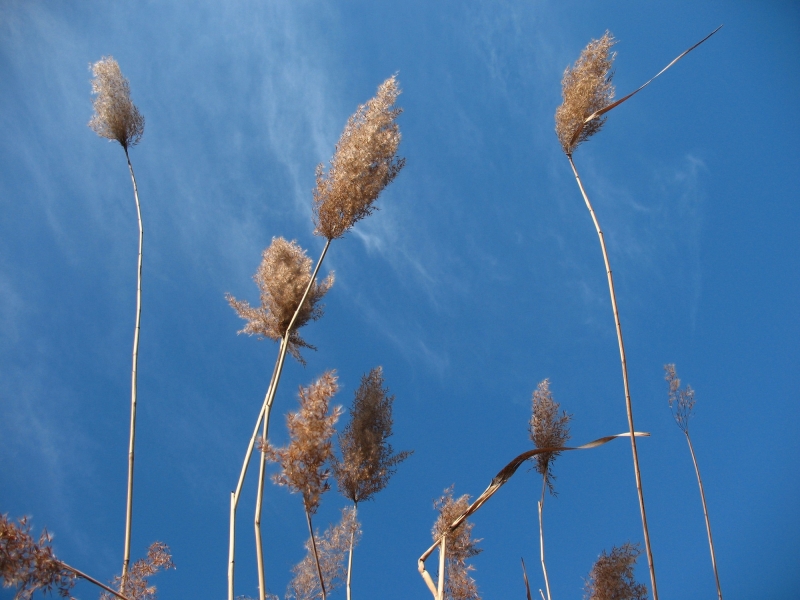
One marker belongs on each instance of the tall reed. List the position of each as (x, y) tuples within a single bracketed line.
[(548, 429), (681, 403), (117, 118), (364, 163), (368, 460)]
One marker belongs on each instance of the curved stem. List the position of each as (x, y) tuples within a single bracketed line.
[(705, 514), (316, 555), (628, 406), (541, 540), (134, 371)]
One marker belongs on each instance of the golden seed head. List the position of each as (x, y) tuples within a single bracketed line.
[(586, 88), (365, 162), (460, 547), (116, 117), (611, 577), (547, 429)]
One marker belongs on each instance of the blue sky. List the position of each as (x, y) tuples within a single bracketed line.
[(479, 276)]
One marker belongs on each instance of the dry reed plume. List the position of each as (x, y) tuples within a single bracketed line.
[(548, 429), (282, 278), (458, 585), (116, 117), (332, 548), (364, 163), (681, 403), (304, 461), (586, 88), (136, 585), (611, 577)]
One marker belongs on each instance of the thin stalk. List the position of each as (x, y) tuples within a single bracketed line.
[(442, 554), (525, 578), (90, 579), (350, 557), (628, 406), (262, 588), (705, 514), (316, 555), (541, 541), (264, 414), (134, 372)]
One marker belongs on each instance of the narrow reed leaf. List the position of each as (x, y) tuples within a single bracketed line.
[(525, 577)]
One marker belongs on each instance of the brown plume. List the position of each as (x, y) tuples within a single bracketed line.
[(547, 429), (460, 547), (136, 585), (681, 401), (116, 117), (367, 461), (365, 162), (586, 88), (611, 577), (282, 278)]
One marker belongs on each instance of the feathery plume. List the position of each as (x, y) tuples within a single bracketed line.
[(681, 401), (332, 548), (586, 88), (365, 162), (367, 461), (282, 277), (611, 577), (303, 461), (136, 585), (547, 429), (30, 565), (116, 117), (460, 547)]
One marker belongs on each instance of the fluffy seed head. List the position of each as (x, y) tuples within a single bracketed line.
[(611, 577), (681, 402), (303, 462), (282, 278), (364, 163), (367, 461), (332, 549), (586, 88), (136, 585), (116, 117), (458, 585), (547, 429)]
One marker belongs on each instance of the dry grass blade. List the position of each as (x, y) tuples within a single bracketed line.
[(500, 479), (364, 163), (525, 577), (116, 117), (611, 577), (282, 279)]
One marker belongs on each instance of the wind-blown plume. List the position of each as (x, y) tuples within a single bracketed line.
[(116, 117), (282, 278), (611, 577), (586, 88), (368, 460), (681, 401), (365, 162), (547, 429), (136, 585), (460, 547)]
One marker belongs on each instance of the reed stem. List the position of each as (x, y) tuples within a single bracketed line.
[(628, 406), (90, 579), (541, 540), (316, 555), (134, 373), (352, 541), (442, 555), (705, 514)]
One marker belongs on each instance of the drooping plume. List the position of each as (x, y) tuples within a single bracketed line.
[(365, 162), (282, 278), (586, 88), (116, 117), (368, 460)]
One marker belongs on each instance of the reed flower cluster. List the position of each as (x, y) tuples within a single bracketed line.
[(611, 577), (460, 547), (116, 116), (681, 401), (548, 429), (586, 88), (282, 278), (365, 162), (135, 584)]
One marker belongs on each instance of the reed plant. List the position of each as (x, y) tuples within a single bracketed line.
[(117, 119), (611, 577), (304, 461), (367, 459), (681, 403), (456, 546), (364, 163), (588, 95), (548, 429)]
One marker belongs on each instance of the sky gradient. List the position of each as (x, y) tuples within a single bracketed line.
[(480, 276)]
